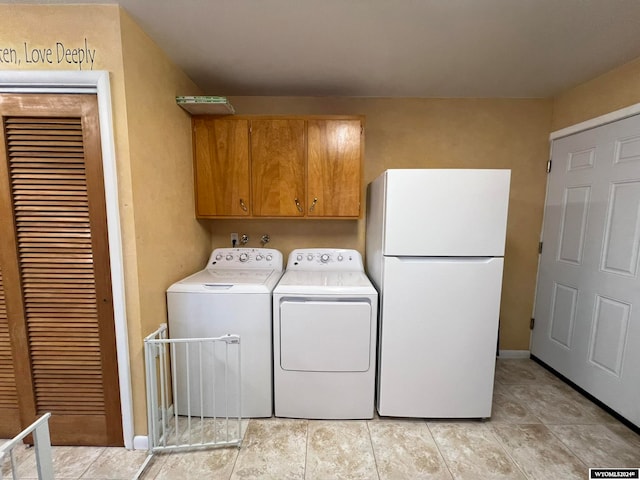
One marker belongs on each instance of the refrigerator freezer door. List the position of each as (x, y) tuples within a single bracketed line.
[(445, 213), (439, 328)]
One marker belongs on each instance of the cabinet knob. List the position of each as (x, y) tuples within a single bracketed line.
[(298, 206), (243, 206), (313, 205)]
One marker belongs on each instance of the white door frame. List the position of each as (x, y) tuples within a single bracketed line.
[(596, 121), (96, 82)]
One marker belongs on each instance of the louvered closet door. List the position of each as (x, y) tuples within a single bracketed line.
[(9, 416), (55, 261)]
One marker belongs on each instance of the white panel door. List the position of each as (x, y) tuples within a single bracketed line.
[(439, 327), (446, 212), (588, 296)]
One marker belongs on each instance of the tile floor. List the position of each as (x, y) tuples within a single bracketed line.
[(540, 429)]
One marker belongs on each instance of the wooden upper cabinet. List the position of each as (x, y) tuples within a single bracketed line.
[(221, 152), (278, 167), (257, 167), (334, 154)]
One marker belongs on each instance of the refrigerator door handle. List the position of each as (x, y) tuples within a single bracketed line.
[(446, 259)]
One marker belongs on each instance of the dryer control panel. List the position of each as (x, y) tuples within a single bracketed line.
[(246, 258), (325, 259)]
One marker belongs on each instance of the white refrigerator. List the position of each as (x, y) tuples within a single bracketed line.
[(435, 243)]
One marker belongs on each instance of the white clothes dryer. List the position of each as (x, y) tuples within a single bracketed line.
[(232, 295), (324, 336)]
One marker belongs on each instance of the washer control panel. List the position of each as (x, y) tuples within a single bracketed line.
[(325, 259), (247, 258)]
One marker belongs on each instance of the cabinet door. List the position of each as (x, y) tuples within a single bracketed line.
[(277, 167), (334, 163), (221, 152)]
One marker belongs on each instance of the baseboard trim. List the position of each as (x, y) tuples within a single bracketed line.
[(141, 442), (514, 354)]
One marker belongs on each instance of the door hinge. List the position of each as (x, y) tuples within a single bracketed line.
[(532, 323), (540, 247), (549, 166)]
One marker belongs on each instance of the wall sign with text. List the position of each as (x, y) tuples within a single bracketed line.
[(58, 54)]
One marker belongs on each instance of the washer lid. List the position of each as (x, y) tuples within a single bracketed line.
[(228, 281), (325, 282)]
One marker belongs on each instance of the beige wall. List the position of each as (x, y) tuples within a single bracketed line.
[(612, 91), (431, 133), (169, 242), (162, 241)]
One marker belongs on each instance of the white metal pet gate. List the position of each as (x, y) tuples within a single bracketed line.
[(193, 393), (42, 443)]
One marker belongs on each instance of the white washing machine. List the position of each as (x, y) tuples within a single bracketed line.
[(324, 337), (232, 295)]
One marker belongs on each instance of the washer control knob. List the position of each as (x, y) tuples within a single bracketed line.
[(229, 257), (309, 257), (324, 258), (244, 257), (299, 258), (340, 258), (219, 256), (259, 257), (269, 257)]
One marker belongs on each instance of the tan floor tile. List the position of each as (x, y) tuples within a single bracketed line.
[(538, 453), (520, 371), (471, 451), (507, 409), (68, 462), (214, 463), (601, 445), (558, 406), (154, 466), (115, 463), (339, 450), (626, 433), (406, 450), (595, 411), (272, 449), (500, 388), (208, 430), (21, 455)]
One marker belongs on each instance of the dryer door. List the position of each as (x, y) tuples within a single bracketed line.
[(325, 336)]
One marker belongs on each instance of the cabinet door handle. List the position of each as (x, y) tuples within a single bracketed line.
[(313, 205), (243, 206), (300, 209)]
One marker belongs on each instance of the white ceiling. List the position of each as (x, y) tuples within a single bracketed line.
[(390, 48)]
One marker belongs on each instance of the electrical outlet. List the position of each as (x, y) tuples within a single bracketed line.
[(234, 239)]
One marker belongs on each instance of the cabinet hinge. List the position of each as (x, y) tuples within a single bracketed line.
[(549, 166), (361, 129), (532, 323), (540, 247)]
